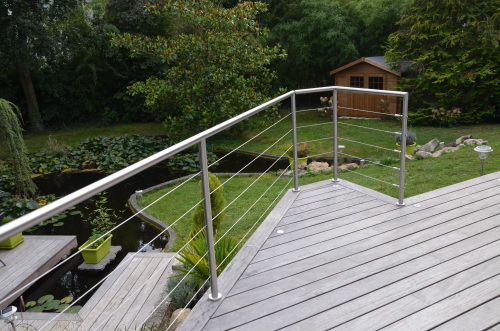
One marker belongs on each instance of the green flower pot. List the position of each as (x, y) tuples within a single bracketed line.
[(410, 149), (12, 242), (95, 255)]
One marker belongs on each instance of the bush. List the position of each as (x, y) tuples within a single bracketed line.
[(218, 202), (181, 296)]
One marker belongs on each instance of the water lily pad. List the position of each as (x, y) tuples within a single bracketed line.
[(67, 299), (51, 305), (37, 309), (45, 298), (74, 309), (58, 224), (60, 308), (30, 304)]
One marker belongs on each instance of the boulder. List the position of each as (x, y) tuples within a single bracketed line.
[(475, 142), (348, 166), (445, 150), (318, 166), (463, 138), (429, 147), (423, 154), (178, 317), (409, 157)]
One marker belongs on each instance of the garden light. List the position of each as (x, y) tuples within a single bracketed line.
[(483, 151), (341, 148)]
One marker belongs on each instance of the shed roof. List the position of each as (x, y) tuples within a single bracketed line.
[(377, 61)]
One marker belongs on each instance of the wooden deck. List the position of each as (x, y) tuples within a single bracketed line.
[(120, 303), (26, 262), (350, 259)]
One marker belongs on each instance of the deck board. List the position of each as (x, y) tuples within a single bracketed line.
[(361, 262)]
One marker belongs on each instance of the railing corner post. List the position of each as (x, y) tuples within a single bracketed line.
[(294, 142)]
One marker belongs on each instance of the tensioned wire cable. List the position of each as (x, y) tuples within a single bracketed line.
[(122, 264), (379, 147), (244, 236), (369, 111), (380, 180), (130, 296), (366, 127), (311, 141), (246, 142), (116, 227), (248, 187), (366, 160), (141, 210), (313, 125)]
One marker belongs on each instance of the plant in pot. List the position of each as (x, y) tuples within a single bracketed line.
[(411, 142), (101, 219), (303, 150), (13, 241)]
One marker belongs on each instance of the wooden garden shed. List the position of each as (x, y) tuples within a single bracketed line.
[(372, 73)]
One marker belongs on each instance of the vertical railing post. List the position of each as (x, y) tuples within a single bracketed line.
[(214, 295), (402, 161), (294, 142), (335, 138)]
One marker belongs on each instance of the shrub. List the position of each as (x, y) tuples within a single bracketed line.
[(218, 202), (411, 138), (181, 296)]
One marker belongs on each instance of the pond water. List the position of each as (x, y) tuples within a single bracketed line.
[(67, 280)]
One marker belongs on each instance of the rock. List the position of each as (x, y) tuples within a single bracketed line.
[(445, 150), (348, 166), (451, 145), (462, 138), (475, 142), (410, 157), (303, 165), (423, 154), (318, 166), (430, 146), (178, 317)]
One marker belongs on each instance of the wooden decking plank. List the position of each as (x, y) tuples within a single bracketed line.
[(233, 271), (479, 318), (156, 289), (315, 202), (451, 307), (438, 283), (325, 246), (340, 217), (240, 298), (91, 311), (285, 310), (111, 314), (132, 295), (321, 194)]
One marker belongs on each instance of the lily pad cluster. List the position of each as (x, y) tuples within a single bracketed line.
[(47, 303)]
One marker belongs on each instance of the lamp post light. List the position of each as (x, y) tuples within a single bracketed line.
[(138, 197), (482, 151)]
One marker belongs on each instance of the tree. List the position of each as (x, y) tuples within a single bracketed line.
[(29, 36), (14, 148), (453, 46), (217, 67)]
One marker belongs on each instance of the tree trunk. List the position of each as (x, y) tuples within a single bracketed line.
[(24, 75)]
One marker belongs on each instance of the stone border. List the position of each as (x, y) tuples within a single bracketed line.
[(132, 203)]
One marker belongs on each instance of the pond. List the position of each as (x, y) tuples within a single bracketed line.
[(67, 280)]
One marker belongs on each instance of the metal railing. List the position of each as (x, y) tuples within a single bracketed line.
[(27, 221)]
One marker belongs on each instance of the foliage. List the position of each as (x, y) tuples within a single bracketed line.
[(411, 138), (101, 219), (15, 149), (47, 303), (105, 154), (189, 162), (182, 294), (216, 65), (454, 51), (446, 117), (195, 257), (218, 203), (321, 35)]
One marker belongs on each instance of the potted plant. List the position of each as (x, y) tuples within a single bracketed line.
[(13, 241), (303, 150), (101, 219), (411, 142)]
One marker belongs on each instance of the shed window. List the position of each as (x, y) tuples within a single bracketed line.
[(357, 81), (376, 83)]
